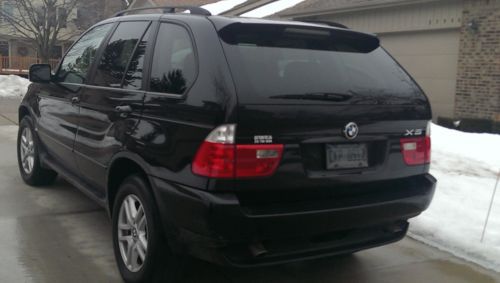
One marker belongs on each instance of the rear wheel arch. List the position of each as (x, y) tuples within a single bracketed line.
[(121, 168)]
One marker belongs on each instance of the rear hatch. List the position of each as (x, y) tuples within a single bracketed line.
[(334, 98)]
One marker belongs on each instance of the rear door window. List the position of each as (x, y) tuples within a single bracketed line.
[(174, 66), (295, 64), (125, 42)]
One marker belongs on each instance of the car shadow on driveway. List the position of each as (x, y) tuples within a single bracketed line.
[(62, 236)]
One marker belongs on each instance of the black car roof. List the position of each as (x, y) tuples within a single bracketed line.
[(223, 21)]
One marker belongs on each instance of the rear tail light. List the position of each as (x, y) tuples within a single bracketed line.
[(257, 160), (219, 156), (417, 151)]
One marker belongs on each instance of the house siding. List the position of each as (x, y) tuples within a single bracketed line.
[(414, 17)]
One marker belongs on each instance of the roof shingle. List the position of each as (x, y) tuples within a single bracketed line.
[(146, 3), (322, 5)]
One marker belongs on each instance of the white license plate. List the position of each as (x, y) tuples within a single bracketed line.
[(344, 156)]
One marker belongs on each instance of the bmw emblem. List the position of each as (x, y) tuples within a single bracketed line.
[(351, 131)]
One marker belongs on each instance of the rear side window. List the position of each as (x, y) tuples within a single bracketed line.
[(302, 64), (174, 66), (118, 53), (80, 57)]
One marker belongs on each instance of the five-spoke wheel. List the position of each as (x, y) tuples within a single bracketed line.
[(141, 250), (27, 150), (132, 233), (28, 156)]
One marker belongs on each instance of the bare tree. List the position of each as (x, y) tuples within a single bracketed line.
[(127, 3), (41, 22)]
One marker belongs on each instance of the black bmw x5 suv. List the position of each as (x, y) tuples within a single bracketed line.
[(242, 142)]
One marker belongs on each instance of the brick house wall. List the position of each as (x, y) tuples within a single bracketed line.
[(478, 78)]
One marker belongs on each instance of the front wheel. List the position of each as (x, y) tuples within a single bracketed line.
[(28, 156), (140, 248)]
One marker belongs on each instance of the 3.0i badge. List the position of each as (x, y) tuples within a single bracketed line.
[(351, 131)]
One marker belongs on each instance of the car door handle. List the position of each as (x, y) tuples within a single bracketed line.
[(75, 100), (124, 109)]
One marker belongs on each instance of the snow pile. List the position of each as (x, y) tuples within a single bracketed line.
[(271, 8), (222, 6), (13, 86), (466, 166)]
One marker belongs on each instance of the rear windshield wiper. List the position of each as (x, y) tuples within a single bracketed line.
[(338, 97)]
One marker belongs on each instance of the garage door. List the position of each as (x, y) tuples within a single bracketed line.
[(431, 57)]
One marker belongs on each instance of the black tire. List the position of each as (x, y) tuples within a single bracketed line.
[(38, 176), (160, 264)]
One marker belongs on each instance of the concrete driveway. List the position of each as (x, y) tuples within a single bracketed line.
[(56, 234), (8, 110)]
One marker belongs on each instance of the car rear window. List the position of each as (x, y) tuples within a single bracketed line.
[(304, 64)]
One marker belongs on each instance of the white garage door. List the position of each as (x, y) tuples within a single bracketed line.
[(431, 57)]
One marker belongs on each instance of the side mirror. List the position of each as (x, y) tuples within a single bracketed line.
[(40, 73)]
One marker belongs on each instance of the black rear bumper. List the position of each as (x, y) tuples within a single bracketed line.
[(232, 228)]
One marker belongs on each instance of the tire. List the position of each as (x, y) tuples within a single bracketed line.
[(28, 156), (159, 263)]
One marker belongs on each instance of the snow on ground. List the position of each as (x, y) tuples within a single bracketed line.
[(222, 6), (466, 166), (13, 86), (271, 8)]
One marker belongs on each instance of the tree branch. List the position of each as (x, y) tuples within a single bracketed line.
[(41, 22)]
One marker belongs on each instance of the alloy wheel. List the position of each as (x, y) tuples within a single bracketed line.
[(27, 150), (132, 233)]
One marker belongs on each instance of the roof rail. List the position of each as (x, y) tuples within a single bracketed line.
[(328, 23), (168, 9)]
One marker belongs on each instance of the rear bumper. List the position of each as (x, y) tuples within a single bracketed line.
[(225, 228)]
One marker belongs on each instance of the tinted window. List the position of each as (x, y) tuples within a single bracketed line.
[(301, 64), (80, 57), (133, 77), (117, 54), (174, 66)]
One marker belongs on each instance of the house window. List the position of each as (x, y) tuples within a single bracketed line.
[(4, 54), (56, 52), (4, 48), (62, 17), (7, 10)]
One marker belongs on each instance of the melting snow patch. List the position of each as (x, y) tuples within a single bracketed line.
[(13, 86), (466, 167)]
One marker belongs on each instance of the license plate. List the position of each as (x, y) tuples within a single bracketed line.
[(344, 156)]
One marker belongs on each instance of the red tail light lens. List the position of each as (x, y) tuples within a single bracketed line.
[(214, 160), (257, 160), (416, 151), (219, 157)]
